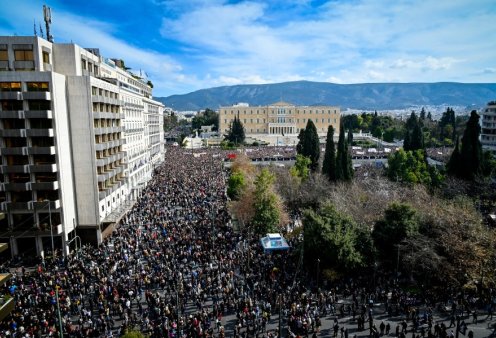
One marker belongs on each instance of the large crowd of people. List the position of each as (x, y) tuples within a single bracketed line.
[(177, 267)]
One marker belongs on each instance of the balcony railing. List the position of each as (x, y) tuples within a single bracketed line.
[(38, 114), (14, 187), (45, 185), (41, 150), (7, 169), (13, 132), (37, 96), (43, 168), (48, 132), (11, 96)]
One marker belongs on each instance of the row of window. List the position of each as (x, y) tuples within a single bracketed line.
[(113, 201), (108, 152), (105, 108), (9, 105), (104, 92), (281, 111), (106, 123), (30, 86), (87, 65), (107, 137), (102, 186), (264, 130), (284, 120)]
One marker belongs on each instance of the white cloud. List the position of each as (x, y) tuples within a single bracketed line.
[(362, 40), (220, 42), (428, 63)]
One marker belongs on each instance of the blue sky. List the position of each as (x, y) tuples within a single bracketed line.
[(186, 45)]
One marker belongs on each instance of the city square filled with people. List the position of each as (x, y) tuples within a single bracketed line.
[(178, 266)]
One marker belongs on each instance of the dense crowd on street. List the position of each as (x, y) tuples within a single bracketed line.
[(177, 267)]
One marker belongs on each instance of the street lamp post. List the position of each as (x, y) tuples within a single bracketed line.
[(50, 222), (318, 268)]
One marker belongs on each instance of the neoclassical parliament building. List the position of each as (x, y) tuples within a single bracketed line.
[(280, 120)]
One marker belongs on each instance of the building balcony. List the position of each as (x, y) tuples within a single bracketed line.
[(45, 185), (7, 169), (41, 150), (489, 147), (38, 114), (104, 115), (13, 133), (100, 162), (11, 96), (16, 206), (14, 187), (25, 65), (102, 146), (120, 155), (43, 168), (102, 131), (37, 96), (104, 176), (13, 151), (44, 230), (107, 145), (43, 205), (40, 132), (102, 195), (12, 114), (105, 99), (119, 129)]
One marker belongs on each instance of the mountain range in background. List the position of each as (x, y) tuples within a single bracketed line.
[(362, 96)]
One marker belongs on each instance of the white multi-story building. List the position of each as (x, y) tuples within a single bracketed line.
[(78, 141), (488, 127)]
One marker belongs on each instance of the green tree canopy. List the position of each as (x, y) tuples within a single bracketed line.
[(300, 169), (331, 237), (400, 221), (235, 185), (207, 118), (344, 165), (311, 145), (329, 164), (267, 212), (301, 139), (236, 133), (350, 137), (467, 160), (411, 167), (414, 136)]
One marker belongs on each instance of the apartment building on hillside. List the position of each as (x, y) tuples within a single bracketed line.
[(488, 127), (72, 131)]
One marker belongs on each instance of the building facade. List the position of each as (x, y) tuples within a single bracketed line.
[(279, 120), (488, 127), (71, 124)]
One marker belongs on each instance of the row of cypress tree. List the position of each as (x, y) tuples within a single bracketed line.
[(337, 164)]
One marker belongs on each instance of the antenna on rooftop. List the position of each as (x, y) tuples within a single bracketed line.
[(47, 15), (34, 27), (41, 30)]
